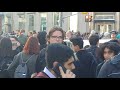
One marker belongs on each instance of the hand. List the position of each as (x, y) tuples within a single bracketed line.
[(68, 73)]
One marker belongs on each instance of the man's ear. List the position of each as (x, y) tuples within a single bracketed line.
[(78, 47)]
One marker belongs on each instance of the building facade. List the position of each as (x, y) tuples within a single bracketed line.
[(74, 21)]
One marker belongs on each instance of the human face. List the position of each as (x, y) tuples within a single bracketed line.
[(113, 35), (75, 48), (69, 64), (108, 54), (56, 37)]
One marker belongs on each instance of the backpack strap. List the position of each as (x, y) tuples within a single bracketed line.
[(27, 59)]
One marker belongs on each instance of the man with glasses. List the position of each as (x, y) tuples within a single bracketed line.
[(55, 35)]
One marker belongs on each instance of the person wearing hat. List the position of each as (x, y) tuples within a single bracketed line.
[(113, 36)]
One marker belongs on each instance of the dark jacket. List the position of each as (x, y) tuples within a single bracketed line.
[(111, 68), (85, 67), (4, 64), (42, 46), (17, 60), (40, 63), (99, 67), (94, 50)]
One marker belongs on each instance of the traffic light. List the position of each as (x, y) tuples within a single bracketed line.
[(88, 18)]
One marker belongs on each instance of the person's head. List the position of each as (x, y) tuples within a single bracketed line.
[(30, 33), (94, 39), (109, 49), (77, 43), (31, 46), (5, 47), (68, 34), (106, 35), (113, 34), (15, 42), (22, 31), (42, 37), (61, 54), (55, 35)]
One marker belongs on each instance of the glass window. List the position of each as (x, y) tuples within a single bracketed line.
[(104, 17), (21, 22), (98, 27), (109, 27), (56, 18), (31, 22), (43, 21)]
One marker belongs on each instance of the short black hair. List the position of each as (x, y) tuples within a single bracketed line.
[(42, 37), (77, 41), (57, 52), (93, 39)]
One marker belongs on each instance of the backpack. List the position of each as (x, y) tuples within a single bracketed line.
[(22, 70)]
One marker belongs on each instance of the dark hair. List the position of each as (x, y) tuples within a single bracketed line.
[(42, 37), (31, 46), (61, 56), (93, 39), (5, 47), (52, 30), (77, 41), (113, 46)]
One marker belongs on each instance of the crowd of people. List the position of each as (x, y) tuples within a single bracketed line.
[(59, 54)]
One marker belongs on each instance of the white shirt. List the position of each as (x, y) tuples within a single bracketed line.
[(48, 73)]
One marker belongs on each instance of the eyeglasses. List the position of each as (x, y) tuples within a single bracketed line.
[(56, 37)]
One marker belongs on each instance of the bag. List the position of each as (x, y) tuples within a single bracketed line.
[(22, 70)]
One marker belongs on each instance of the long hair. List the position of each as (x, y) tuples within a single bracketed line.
[(31, 46), (6, 47)]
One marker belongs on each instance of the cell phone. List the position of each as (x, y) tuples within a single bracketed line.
[(57, 71)]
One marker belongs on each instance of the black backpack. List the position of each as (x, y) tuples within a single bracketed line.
[(22, 70)]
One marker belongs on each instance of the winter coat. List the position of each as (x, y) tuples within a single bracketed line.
[(111, 68)]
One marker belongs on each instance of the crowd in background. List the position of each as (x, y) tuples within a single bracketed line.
[(60, 54)]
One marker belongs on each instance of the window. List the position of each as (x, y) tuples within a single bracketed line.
[(43, 21), (31, 22), (105, 17), (56, 18), (110, 27), (21, 22), (98, 27)]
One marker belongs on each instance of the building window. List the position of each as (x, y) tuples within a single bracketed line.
[(56, 18), (104, 17), (43, 21), (98, 28), (21, 22), (31, 22), (109, 27)]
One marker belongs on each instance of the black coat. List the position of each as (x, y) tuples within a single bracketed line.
[(111, 68), (40, 63), (94, 50), (85, 67)]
